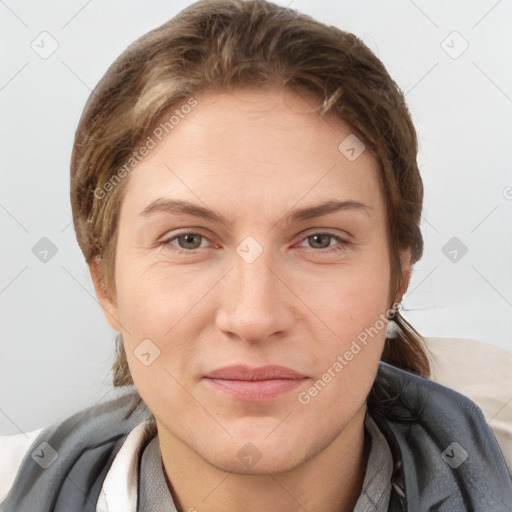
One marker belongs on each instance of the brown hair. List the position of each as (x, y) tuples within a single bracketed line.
[(217, 45)]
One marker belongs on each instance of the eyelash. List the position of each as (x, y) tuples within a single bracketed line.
[(327, 250)]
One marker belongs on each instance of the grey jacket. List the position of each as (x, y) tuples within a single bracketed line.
[(446, 458)]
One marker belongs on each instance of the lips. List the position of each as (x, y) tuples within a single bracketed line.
[(254, 384)]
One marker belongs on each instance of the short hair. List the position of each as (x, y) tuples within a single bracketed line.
[(222, 45)]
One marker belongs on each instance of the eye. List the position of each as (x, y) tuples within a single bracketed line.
[(318, 242), (185, 242)]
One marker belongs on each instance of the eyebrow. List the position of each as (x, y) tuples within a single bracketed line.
[(175, 206)]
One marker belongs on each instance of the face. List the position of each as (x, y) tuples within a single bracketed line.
[(252, 280)]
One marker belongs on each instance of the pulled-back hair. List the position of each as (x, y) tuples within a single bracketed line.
[(223, 45)]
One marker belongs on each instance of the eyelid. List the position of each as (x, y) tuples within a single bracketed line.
[(344, 235), (170, 235), (340, 241)]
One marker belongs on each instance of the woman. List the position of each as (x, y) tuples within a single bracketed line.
[(245, 192)]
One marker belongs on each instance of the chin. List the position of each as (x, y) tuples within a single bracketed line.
[(250, 459), (259, 451)]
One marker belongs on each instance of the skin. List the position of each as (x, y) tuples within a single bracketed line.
[(252, 156)]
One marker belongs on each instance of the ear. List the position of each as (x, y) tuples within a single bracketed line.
[(406, 264), (107, 303)]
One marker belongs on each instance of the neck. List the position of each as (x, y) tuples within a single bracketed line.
[(330, 481)]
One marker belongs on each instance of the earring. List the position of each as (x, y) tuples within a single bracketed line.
[(393, 311)]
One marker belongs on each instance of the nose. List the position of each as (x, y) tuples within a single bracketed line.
[(255, 303)]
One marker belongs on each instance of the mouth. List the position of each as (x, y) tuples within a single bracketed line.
[(254, 384)]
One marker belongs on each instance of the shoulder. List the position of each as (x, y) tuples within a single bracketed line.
[(13, 448), (76, 455), (481, 372), (444, 451)]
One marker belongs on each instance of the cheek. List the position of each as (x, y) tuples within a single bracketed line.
[(351, 299), (154, 298), (165, 306), (159, 315), (353, 306), (346, 362)]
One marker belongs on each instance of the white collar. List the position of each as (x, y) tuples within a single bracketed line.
[(120, 487)]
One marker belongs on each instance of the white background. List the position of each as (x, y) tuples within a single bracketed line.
[(56, 347)]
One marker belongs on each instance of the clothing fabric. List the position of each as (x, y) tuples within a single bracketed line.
[(445, 457), (483, 373), (376, 489), (154, 494)]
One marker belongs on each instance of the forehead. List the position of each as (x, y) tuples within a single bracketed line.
[(235, 148)]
